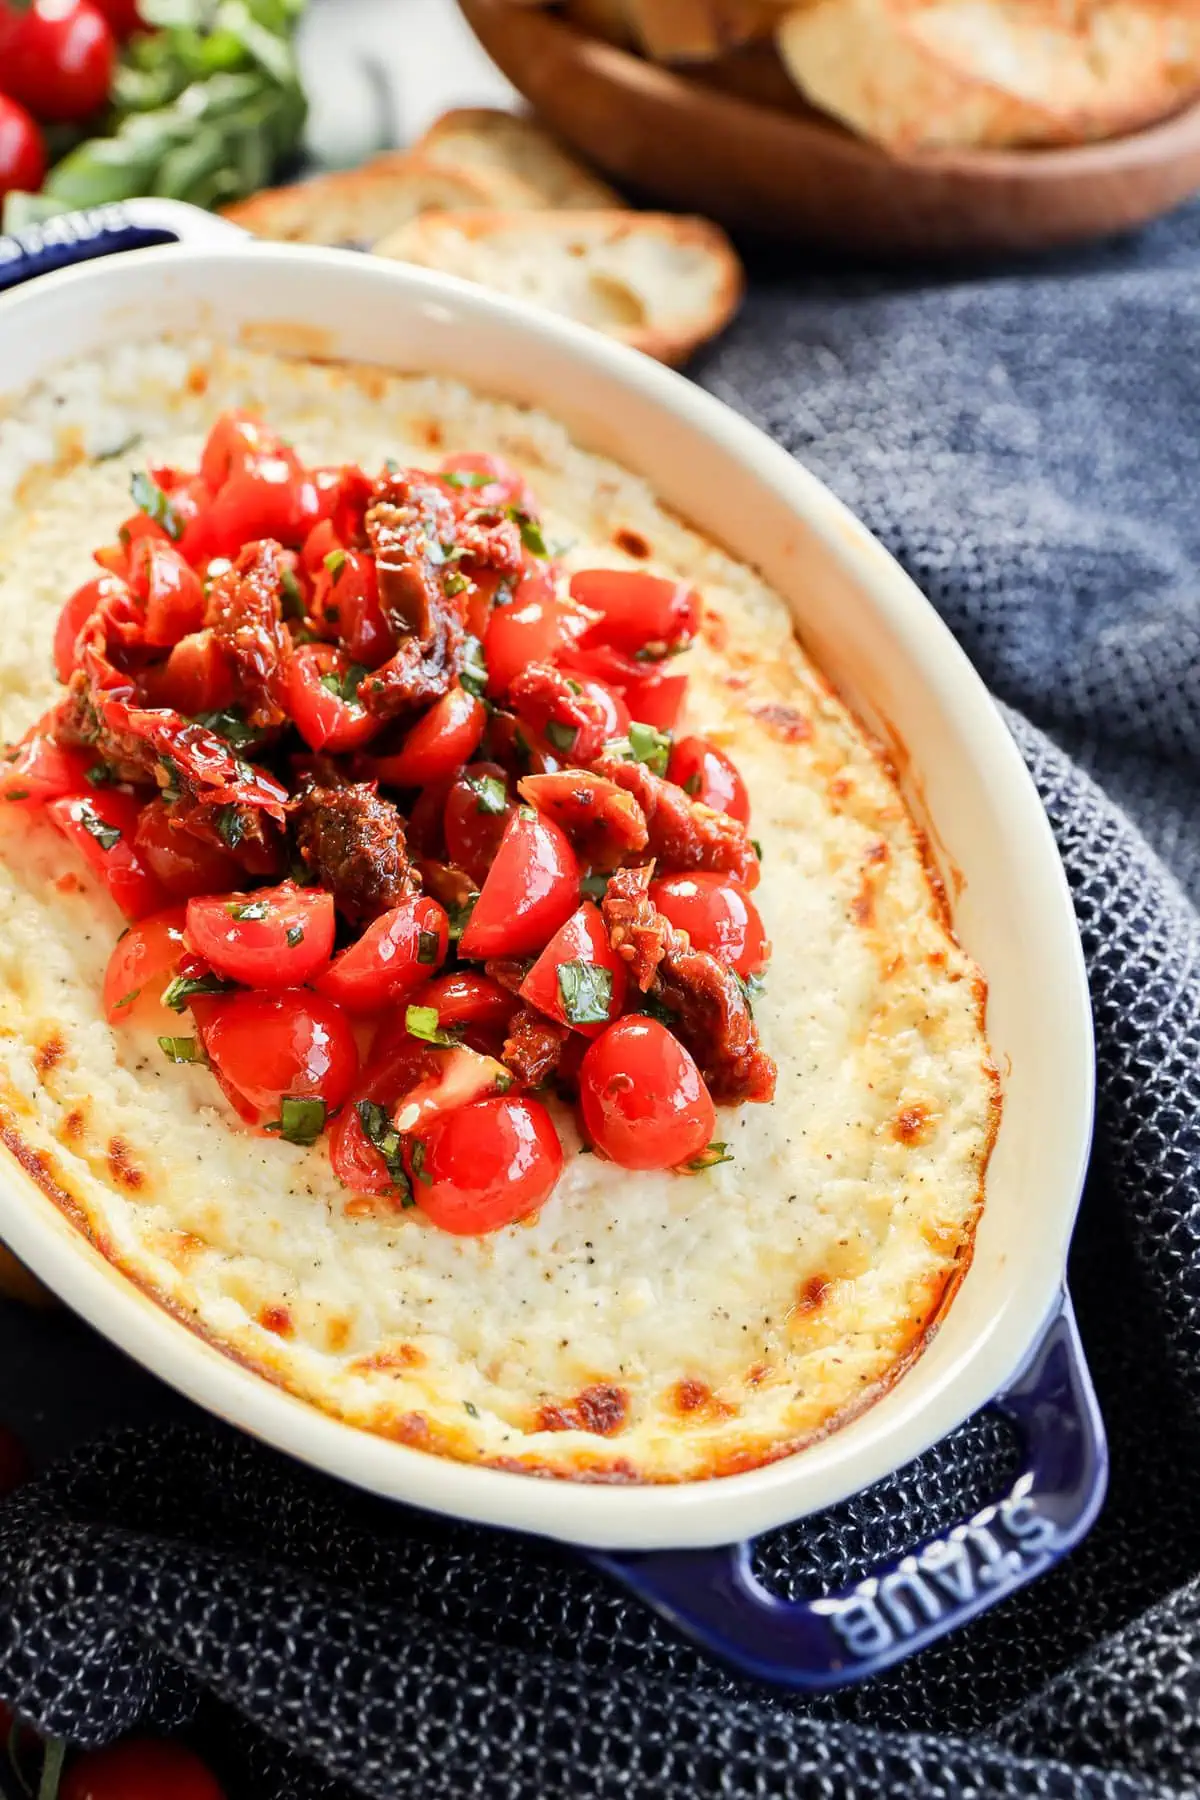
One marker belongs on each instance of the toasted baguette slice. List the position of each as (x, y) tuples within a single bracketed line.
[(936, 74), (481, 142), (356, 206), (660, 283)]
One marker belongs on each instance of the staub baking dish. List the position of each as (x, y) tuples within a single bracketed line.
[(1008, 1339)]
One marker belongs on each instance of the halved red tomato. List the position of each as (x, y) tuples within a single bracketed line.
[(484, 480), (652, 694), (396, 952), (322, 699), (578, 979), (75, 615), (235, 441), (718, 915), (478, 807), (707, 774), (535, 626), (465, 997), (455, 1077), (277, 937), (169, 590), (103, 826), (259, 488), (142, 962), (644, 1101), (442, 740), (345, 604), (280, 1048), (39, 769), (639, 611), (530, 890), (485, 1165), (363, 1140), (184, 864), (197, 677)]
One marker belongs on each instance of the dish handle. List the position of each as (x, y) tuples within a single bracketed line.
[(820, 1644), (77, 237)]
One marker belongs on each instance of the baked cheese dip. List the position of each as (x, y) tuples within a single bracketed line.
[(456, 952)]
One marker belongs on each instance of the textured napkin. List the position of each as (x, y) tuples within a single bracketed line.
[(1029, 446)]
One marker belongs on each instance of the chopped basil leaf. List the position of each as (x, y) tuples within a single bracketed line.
[(300, 1121), (231, 826), (708, 1159), (594, 886), (149, 498), (422, 1022), (455, 583), (171, 790), (427, 946), (129, 443), (129, 998), (692, 784), (253, 909), (380, 1131), (530, 529), (180, 989), (16, 793), (461, 916), (295, 935), (650, 746), (292, 603), (344, 684), (466, 478), (656, 653), (229, 726), (471, 1409), (473, 675), (560, 735), (585, 990), (106, 835), (335, 562), (491, 794), (182, 1050), (757, 843), (391, 465), (417, 1159), (99, 775), (651, 1008)]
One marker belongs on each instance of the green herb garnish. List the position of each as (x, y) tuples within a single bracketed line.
[(692, 785), (335, 562), (561, 736), (100, 775), (180, 989), (474, 674), (295, 935), (530, 529), (491, 794), (585, 990), (466, 478), (471, 1409), (231, 825), (249, 909), (708, 1159), (344, 683), (645, 745), (182, 1050), (230, 726), (594, 886), (379, 1130), (422, 1022), (427, 946), (292, 598), (460, 918), (455, 583), (149, 498), (299, 1121), (106, 835), (416, 1157)]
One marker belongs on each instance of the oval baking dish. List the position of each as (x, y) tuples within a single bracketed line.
[(1008, 1338)]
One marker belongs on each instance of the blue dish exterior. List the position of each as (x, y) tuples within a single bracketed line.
[(841, 1638), (713, 1595)]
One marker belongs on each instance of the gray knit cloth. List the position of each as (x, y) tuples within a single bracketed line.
[(1029, 447)]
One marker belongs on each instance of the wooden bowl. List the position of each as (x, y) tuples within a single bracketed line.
[(794, 174)]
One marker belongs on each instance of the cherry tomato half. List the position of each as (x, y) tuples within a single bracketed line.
[(718, 915), (143, 960), (75, 615), (392, 1071), (396, 952), (490, 481), (706, 773), (277, 937), (535, 626), (478, 807), (578, 979), (442, 740), (530, 890), (294, 1045), (638, 611), (485, 1165), (103, 826), (453, 1078), (467, 998), (22, 152), (41, 769), (197, 677), (643, 1099), (140, 1769), (58, 59), (345, 603), (168, 588), (653, 695), (184, 864), (322, 701)]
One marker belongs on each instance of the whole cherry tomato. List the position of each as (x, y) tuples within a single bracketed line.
[(139, 1769), (277, 937), (396, 952), (169, 590), (707, 774), (485, 1165), (643, 1099), (638, 611), (530, 890), (58, 59), (440, 742), (579, 979), (323, 701), (103, 825), (478, 807), (718, 915), (41, 770), (75, 615), (294, 1045), (22, 152), (143, 960), (185, 865)]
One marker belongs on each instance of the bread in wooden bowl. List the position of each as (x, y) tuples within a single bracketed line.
[(943, 74), (657, 282)]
